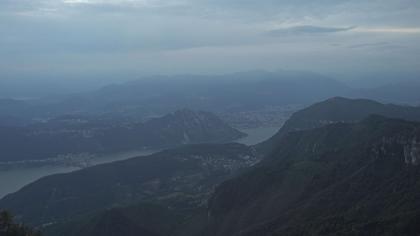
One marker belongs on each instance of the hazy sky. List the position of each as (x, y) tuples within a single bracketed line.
[(138, 37)]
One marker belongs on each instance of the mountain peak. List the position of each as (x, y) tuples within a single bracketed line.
[(341, 110), (337, 98), (345, 100), (196, 125), (187, 112)]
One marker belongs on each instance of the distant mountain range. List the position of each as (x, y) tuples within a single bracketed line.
[(339, 167), (400, 92), (162, 94), (235, 92), (77, 134)]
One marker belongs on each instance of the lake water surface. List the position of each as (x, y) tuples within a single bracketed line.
[(14, 179), (257, 135)]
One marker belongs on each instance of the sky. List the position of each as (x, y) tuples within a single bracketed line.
[(63, 39)]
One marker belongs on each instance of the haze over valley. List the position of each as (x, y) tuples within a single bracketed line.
[(209, 118)]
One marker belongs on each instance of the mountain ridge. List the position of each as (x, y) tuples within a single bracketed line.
[(182, 178), (300, 183), (339, 109), (77, 134), (340, 170)]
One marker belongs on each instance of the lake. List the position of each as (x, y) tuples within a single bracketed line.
[(257, 135), (14, 179)]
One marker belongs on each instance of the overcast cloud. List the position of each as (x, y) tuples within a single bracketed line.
[(94, 37)]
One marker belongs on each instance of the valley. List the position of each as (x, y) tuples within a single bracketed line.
[(209, 118), (14, 175), (335, 148)]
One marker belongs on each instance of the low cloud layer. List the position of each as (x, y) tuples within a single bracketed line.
[(307, 29)]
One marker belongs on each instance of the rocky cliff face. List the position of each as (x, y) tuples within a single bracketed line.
[(412, 151), (347, 179)]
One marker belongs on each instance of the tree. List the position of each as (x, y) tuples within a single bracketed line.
[(6, 220), (9, 228)]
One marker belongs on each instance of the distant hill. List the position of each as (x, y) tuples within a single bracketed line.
[(163, 94), (405, 92), (76, 134), (339, 109), (340, 179), (181, 178), (12, 111), (235, 92), (239, 91)]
